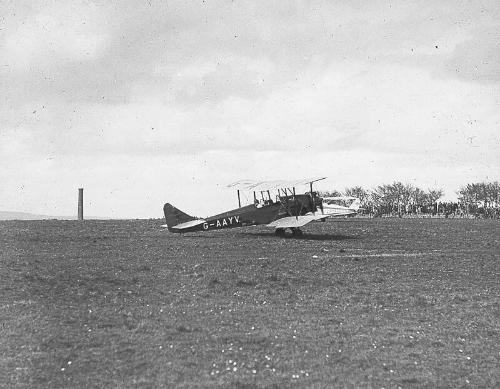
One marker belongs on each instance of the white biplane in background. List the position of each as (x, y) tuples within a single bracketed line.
[(331, 205), (276, 204)]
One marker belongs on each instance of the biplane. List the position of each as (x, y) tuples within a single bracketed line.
[(276, 204), (331, 205)]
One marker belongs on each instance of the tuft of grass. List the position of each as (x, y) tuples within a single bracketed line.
[(245, 282)]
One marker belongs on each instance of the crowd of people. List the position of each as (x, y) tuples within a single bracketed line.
[(477, 200), (444, 209)]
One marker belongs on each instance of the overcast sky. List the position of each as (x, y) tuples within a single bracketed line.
[(144, 102)]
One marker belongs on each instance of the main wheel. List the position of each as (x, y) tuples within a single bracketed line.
[(279, 232), (297, 232)]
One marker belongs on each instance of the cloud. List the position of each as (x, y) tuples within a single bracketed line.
[(390, 109), (477, 58), (103, 52), (55, 33)]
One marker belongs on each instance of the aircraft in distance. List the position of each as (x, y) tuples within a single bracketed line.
[(284, 208), (331, 206)]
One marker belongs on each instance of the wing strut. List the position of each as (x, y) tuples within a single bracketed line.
[(311, 194)]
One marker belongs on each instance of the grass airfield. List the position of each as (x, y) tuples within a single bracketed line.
[(380, 303)]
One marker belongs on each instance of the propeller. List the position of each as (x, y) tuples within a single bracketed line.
[(316, 202)]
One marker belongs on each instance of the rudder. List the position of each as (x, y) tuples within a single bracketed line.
[(174, 216)]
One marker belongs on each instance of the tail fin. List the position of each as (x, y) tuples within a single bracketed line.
[(174, 216), (355, 205)]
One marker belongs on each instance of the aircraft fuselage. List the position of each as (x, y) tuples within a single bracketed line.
[(254, 214)]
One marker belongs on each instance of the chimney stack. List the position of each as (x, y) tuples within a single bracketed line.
[(80, 203)]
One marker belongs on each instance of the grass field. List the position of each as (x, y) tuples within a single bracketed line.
[(355, 303)]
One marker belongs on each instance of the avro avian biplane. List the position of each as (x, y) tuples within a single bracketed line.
[(275, 204)]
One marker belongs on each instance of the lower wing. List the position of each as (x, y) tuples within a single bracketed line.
[(295, 221), (339, 212)]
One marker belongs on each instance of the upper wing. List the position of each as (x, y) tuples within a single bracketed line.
[(339, 198), (250, 185), (295, 221)]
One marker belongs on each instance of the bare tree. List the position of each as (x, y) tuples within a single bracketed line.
[(480, 197), (357, 191)]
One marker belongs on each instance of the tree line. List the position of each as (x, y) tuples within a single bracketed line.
[(480, 199)]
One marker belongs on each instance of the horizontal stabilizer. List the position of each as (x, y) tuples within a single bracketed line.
[(295, 221), (189, 224)]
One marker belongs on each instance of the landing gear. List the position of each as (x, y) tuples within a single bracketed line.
[(296, 232), (279, 232)]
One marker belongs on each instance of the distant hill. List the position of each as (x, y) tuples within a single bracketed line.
[(8, 215)]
